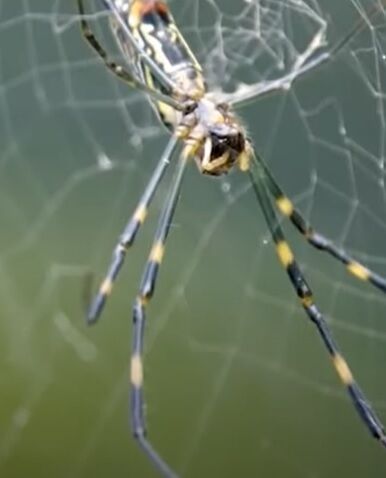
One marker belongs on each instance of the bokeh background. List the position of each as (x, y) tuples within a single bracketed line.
[(237, 381)]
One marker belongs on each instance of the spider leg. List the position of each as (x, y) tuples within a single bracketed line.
[(129, 233), (145, 294), (304, 293), (127, 238), (118, 70), (317, 240)]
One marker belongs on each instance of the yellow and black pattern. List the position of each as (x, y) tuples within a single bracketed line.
[(304, 293), (120, 71), (128, 236), (317, 240), (150, 23), (145, 294)]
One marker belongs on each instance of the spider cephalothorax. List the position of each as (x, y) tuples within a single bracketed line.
[(218, 136), (221, 150)]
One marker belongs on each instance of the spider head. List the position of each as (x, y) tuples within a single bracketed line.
[(223, 147), (221, 136), (226, 138)]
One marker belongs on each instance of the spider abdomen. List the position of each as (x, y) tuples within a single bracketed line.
[(154, 29)]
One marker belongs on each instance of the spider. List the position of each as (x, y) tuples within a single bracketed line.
[(203, 127)]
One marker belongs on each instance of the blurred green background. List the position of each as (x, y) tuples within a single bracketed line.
[(237, 381)]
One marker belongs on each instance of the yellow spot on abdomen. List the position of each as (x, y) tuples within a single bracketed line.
[(358, 271), (343, 369), (285, 206), (136, 371), (285, 254), (157, 252)]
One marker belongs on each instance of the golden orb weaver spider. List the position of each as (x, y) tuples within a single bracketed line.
[(160, 63)]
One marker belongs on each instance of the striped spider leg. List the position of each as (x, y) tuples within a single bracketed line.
[(129, 233), (160, 63), (313, 237), (145, 293), (260, 183)]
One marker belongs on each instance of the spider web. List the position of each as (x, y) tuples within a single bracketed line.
[(237, 382)]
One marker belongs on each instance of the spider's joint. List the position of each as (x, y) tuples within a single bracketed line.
[(106, 287), (142, 301), (307, 301), (343, 370), (285, 254), (359, 271), (136, 371), (157, 252), (244, 161), (192, 145), (140, 214), (122, 248), (285, 206)]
